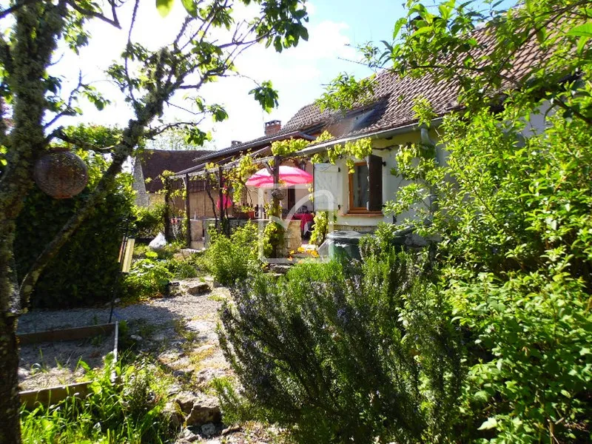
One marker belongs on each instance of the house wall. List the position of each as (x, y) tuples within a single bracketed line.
[(387, 149), (139, 185), (155, 198)]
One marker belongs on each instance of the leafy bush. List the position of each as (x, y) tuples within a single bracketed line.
[(230, 259), (514, 217), (360, 354), (182, 269), (320, 228), (382, 240), (149, 276), (85, 271), (273, 239), (150, 220), (130, 411)]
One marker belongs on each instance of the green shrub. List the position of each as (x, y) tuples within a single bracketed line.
[(320, 228), (273, 240), (383, 239), (149, 276), (359, 354), (182, 269), (150, 220), (85, 271), (232, 258), (130, 411), (516, 250)]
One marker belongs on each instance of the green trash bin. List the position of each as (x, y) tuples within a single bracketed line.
[(344, 245)]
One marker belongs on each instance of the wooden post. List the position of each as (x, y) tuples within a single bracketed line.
[(168, 232), (277, 160), (187, 211), (223, 222)]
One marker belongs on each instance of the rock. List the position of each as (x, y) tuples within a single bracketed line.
[(185, 401), (136, 337), (174, 389), (183, 373), (230, 430), (204, 411), (207, 375), (279, 269), (173, 412), (182, 367), (168, 357), (187, 436), (197, 288), (208, 430)]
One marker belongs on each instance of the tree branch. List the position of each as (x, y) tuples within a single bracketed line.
[(14, 8), (156, 131), (561, 104), (89, 13), (68, 108), (79, 143)]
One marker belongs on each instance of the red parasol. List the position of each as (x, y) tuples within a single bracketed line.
[(288, 176)]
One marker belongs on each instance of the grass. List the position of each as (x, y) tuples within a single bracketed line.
[(130, 411), (217, 297), (198, 356)]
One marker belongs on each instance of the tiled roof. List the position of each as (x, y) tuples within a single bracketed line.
[(394, 96), (390, 107), (155, 162), (284, 133)]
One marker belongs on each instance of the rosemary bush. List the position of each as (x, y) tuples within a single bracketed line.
[(341, 354)]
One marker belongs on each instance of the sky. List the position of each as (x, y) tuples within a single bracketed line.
[(299, 74)]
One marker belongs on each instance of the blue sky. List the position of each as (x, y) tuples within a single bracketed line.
[(299, 74)]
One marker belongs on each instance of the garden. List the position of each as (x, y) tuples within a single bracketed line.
[(481, 334)]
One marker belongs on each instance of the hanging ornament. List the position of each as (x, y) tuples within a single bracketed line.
[(60, 173)]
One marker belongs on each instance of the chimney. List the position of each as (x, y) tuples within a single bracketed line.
[(273, 127), (235, 143)]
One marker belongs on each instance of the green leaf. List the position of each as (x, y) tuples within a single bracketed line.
[(164, 7), (582, 43), (584, 30), (398, 25), (191, 7), (491, 423), (423, 30)]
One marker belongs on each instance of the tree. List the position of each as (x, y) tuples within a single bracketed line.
[(479, 48), (206, 46), (175, 139), (511, 213)]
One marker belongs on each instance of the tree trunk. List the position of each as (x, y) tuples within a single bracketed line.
[(10, 432), (37, 28)]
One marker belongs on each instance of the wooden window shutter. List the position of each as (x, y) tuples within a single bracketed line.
[(374, 183)]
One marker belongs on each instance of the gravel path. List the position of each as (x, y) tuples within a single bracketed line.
[(180, 332), (155, 311)]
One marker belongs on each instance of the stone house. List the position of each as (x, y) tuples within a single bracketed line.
[(149, 166)]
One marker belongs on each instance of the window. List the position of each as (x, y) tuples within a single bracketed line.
[(358, 187), (365, 186)]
